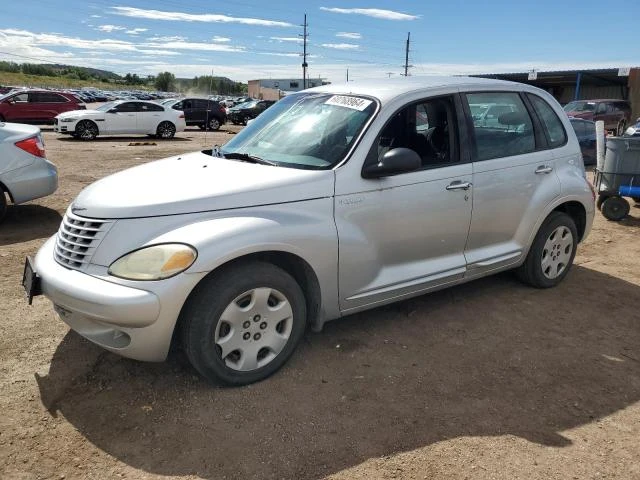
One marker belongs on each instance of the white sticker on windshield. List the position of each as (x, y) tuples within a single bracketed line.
[(354, 103)]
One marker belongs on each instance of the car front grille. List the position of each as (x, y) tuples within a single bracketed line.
[(77, 239)]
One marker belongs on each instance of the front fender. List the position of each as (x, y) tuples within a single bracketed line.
[(305, 229)]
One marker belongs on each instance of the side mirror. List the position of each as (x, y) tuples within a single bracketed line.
[(398, 160)]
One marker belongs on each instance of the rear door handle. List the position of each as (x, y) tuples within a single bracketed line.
[(459, 185), (544, 169)]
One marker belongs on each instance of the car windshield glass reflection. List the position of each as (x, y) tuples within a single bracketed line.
[(312, 131)]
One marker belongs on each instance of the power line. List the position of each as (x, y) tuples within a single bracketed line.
[(304, 54)]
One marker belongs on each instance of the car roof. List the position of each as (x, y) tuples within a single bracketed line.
[(388, 88)]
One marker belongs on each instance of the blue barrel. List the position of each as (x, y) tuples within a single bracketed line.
[(629, 191)]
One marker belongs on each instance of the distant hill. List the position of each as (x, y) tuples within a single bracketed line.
[(93, 72)]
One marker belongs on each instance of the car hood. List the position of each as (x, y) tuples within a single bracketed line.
[(198, 182), (81, 113), (587, 115)]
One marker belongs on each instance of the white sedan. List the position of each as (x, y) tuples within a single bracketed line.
[(121, 117)]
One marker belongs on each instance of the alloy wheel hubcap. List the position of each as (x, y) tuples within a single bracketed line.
[(556, 253), (253, 329)]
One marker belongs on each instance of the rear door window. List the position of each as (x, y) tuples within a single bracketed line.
[(508, 131), (551, 124)]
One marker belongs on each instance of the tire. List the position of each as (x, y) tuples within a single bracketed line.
[(600, 201), (3, 204), (214, 124), (552, 252), (615, 208), (235, 307), (1, 118), (621, 127), (166, 130), (86, 130), (244, 120)]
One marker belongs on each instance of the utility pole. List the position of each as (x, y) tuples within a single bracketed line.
[(347, 74), (406, 56), (304, 53)]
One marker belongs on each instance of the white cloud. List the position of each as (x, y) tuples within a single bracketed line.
[(96, 16), (220, 39), (212, 47), (351, 35), (373, 12), (174, 38), (109, 28), (278, 54), (287, 39), (136, 31), (190, 17), (341, 46)]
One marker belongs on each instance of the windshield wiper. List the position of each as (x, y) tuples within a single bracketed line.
[(245, 157)]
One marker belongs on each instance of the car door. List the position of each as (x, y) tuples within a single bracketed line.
[(513, 180), (17, 108), (122, 118), (403, 234), (149, 116)]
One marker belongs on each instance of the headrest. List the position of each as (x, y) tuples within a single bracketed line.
[(513, 118)]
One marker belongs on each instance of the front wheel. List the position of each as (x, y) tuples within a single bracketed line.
[(552, 252), (86, 130), (166, 130), (243, 323)]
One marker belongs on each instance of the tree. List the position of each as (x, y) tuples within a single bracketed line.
[(165, 81)]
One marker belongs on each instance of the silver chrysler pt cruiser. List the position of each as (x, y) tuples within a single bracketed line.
[(335, 200)]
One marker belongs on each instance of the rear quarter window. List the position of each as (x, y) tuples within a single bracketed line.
[(551, 124)]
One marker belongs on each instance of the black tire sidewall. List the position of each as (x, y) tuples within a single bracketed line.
[(160, 134), (213, 295), (534, 258), (88, 124), (211, 127), (3, 204)]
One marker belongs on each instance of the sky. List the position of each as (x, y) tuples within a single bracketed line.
[(251, 39)]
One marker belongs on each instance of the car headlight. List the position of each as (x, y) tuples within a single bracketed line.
[(68, 119), (154, 263)]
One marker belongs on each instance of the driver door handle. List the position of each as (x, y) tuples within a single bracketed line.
[(544, 169), (459, 185)]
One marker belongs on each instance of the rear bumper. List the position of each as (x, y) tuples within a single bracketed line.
[(36, 180)]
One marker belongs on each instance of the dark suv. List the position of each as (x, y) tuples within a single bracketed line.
[(202, 112), (36, 106), (615, 114), (244, 112)]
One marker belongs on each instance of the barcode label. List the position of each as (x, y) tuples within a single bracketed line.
[(354, 103)]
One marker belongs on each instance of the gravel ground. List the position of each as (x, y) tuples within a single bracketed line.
[(489, 380)]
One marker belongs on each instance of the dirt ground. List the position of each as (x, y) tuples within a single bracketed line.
[(489, 380)]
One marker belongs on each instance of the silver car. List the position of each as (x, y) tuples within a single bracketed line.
[(25, 172), (335, 200)]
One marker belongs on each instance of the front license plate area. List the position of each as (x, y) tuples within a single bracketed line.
[(30, 281)]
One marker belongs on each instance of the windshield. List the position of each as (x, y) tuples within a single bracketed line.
[(308, 130), (106, 106), (580, 107)]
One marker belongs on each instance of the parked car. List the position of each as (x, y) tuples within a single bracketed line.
[(25, 172), (329, 203), (121, 117), (633, 130), (36, 106), (248, 110), (202, 112), (586, 133), (615, 114)]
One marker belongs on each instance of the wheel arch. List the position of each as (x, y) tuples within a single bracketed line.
[(291, 263), (578, 214)]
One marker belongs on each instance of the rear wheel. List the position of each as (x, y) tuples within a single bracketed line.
[(615, 208), (166, 130), (552, 252), (243, 323), (86, 130), (214, 124), (1, 118)]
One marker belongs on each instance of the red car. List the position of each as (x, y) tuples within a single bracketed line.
[(36, 106), (616, 114)]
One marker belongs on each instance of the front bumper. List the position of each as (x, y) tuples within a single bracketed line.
[(125, 320)]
